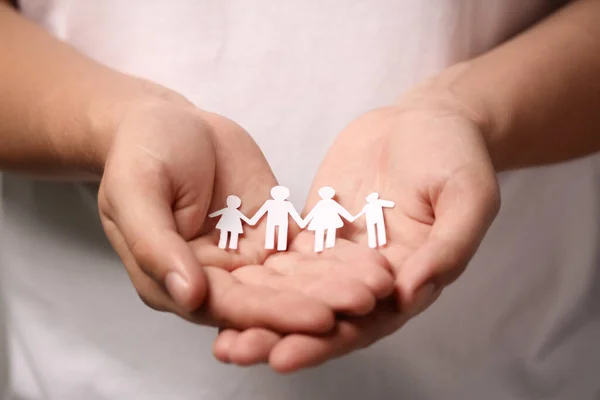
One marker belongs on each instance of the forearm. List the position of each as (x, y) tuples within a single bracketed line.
[(57, 107), (537, 97)]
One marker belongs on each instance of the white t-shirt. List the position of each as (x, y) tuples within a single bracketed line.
[(522, 322)]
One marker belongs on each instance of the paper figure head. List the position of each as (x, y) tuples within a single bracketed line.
[(280, 193), (326, 193), (233, 201), (372, 197)]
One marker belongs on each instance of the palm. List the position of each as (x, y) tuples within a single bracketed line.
[(170, 166), (349, 278), (241, 170), (432, 166), (203, 159), (436, 169)]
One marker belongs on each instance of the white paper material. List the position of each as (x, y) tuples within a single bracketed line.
[(278, 211), (324, 219), (230, 223), (373, 212)]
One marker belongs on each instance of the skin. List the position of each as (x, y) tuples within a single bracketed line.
[(437, 147), (154, 198), (443, 208), (163, 165)]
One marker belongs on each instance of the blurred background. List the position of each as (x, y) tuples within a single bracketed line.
[(3, 347)]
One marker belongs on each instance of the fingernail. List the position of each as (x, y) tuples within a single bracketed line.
[(178, 288), (423, 298)]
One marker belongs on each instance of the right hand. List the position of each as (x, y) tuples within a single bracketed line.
[(168, 166), (428, 154)]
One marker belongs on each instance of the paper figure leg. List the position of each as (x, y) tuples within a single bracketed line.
[(233, 240), (381, 234), (330, 238), (319, 239), (282, 233), (371, 235), (270, 238), (223, 240)]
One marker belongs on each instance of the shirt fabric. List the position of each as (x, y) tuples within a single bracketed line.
[(521, 323)]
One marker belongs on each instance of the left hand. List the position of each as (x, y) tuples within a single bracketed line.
[(430, 158)]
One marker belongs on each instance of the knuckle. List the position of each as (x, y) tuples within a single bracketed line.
[(378, 281), (151, 294), (495, 199), (445, 278), (151, 303), (356, 297), (105, 204), (202, 316), (491, 194), (488, 193), (142, 252)]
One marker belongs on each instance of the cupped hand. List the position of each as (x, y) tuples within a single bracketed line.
[(430, 158), (350, 279), (169, 166)]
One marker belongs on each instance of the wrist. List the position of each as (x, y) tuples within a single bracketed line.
[(444, 94), (106, 112)]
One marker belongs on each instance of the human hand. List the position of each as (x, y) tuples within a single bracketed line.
[(168, 165), (430, 158), (349, 278)]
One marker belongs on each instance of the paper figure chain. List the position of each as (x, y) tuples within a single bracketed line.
[(324, 219)]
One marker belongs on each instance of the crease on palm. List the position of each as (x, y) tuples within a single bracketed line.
[(343, 285)]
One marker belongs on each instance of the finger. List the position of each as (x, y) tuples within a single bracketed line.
[(344, 295), (464, 211), (347, 259), (142, 211), (378, 281), (231, 303), (298, 351), (341, 294), (151, 294), (234, 304), (253, 346), (222, 345), (249, 252)]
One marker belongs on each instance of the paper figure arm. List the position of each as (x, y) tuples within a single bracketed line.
[(259, 214), (245, 219), (357, 216), (310, 216), (296, 217), (216, 213), (387, 203), (344, 213)]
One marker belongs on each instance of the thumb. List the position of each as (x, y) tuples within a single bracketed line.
[(464, 211), (142, 211)]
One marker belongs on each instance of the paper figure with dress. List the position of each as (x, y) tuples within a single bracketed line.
[(230, 223), (325, 219)]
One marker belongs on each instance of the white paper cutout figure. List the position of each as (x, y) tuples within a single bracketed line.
[(278, 210), (325, 217), (373, 211), (230, 222)]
